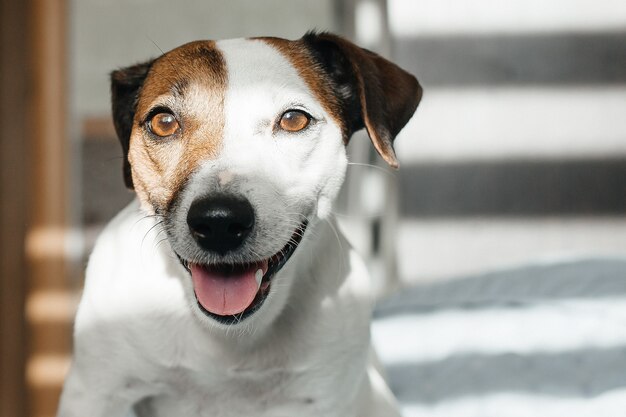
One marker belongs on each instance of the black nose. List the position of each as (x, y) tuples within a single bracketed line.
[(220, 223)]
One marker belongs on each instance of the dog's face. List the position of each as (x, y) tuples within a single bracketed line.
[(239, 147)]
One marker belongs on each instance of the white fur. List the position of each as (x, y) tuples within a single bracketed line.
[(140, 338)]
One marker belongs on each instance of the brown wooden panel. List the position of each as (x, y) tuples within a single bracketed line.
[(13, 184)]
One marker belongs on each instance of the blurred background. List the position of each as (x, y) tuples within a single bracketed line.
[(505, 226)]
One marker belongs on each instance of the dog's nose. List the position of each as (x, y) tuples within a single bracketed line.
[(220, 223)]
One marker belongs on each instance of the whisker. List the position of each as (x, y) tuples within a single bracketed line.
[(157, 224), (356, 216), (383, 170), (155, 44)]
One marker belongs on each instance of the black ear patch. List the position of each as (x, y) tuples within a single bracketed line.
[(374, 92), (125, 86)]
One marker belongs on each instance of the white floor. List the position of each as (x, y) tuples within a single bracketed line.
[(611, 404), (539, 341)]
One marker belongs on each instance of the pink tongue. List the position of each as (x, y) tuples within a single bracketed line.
[(225, 293)]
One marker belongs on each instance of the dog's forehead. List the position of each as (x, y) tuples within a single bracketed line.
[(215, 66), (255, 61), (282, 63)]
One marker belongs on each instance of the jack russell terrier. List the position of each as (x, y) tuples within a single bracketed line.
[(227, 290)]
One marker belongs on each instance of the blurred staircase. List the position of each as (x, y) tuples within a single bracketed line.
[(517, 153)]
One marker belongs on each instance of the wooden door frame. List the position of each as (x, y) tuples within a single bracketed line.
[(13, 185)]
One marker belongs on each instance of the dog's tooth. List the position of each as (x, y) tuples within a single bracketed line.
[(259, 276)]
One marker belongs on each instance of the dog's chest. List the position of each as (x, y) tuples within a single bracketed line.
[(272, 393)]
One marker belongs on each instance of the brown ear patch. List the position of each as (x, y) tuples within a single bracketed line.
[(190, 82), (389, 97)]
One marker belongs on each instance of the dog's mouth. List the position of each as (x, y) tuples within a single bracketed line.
[(231, 292)]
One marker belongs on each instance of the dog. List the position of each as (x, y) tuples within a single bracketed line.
[(226, 289)]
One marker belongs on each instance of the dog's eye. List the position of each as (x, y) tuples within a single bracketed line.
[(163, 124), (294, 120)]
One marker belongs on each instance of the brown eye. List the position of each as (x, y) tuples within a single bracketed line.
[(163, 124), (294, 120)]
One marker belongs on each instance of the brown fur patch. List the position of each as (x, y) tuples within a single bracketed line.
[(300, 57), (191, 81)]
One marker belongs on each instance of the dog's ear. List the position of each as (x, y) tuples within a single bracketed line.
[(374, 93), (125, 86)]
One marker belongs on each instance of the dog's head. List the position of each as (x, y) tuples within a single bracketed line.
[(239, 146)]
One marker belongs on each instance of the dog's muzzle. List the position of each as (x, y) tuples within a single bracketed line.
[(230, 292)]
